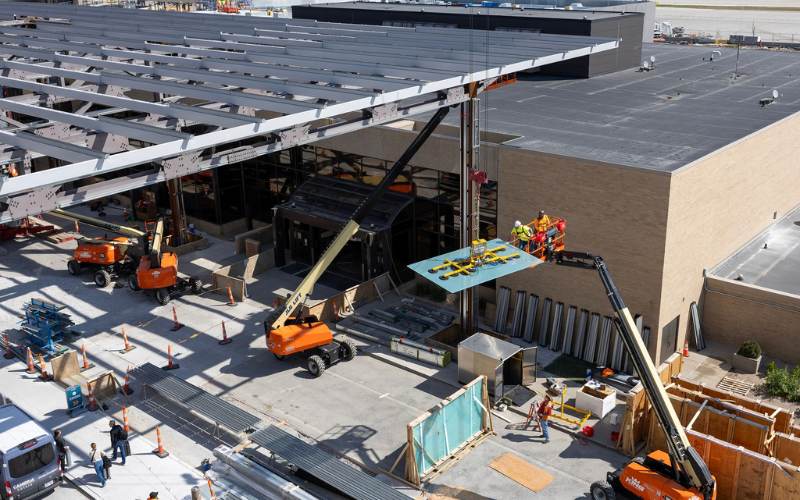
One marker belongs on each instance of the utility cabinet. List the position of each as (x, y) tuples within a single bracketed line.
[(505, 365)]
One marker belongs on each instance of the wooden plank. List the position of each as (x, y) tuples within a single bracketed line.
[(786, 448), (785, 482), (696, 414), (523, 472), (752, 475)]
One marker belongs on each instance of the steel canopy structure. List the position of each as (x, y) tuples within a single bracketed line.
[(179, 93)]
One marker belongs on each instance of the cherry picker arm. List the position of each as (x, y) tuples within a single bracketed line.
[(690, 476)]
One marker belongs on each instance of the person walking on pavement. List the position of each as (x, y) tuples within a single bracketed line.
[(522, 234), (61, 447), (153, 495), (96, 457), (544, 412), (118, 438)]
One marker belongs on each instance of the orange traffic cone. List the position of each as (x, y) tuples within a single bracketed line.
[(686, 348), (160, 451), (171, 365), (127, 345), (43, 369), (225, 339), (31, 369), (175, 324), (7, 347), (125, 419), (86, 365), (211, 489), (92, 405), (126, 388), (231, 302)]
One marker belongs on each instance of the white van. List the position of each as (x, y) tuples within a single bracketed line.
[(29, 464)]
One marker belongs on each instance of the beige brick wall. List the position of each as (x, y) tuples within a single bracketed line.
[(657, 231), (720, 202), (617, 212), (734, 312)]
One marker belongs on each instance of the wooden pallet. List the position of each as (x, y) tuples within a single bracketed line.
[(735, 386)]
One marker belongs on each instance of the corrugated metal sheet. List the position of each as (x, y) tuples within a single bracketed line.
[(324, 466), (187, 395)]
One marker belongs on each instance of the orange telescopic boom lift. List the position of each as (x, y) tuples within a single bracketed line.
[(678, 473), (288, 334)]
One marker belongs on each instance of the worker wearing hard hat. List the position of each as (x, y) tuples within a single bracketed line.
[(522, 234), (541, 223)]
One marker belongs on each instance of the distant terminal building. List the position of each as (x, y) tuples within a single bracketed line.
[(614, 19)]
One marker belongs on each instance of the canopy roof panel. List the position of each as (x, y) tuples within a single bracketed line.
[(168, 87)]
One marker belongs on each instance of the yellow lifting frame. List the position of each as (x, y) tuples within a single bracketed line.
[(479, 256)]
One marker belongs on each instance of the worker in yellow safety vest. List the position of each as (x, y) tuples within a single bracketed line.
[(522, 234), (541, 223)]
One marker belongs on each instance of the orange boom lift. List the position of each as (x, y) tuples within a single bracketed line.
[(288, 334), (158, 271), (678, 473), (108, 257)]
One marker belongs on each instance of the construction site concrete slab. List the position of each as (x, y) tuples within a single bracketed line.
[(359, 408), (143, 471)]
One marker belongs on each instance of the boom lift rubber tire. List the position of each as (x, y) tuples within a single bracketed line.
[(162, 296), (102, 278), (74, 267), (195, 285), (348, 349), (601, 490), (279, 357), (132, 283), (315, 366)]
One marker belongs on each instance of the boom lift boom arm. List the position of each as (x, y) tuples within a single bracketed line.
[(689, 467), (351, 227)]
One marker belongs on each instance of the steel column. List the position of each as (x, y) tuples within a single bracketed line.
[(469, 201)]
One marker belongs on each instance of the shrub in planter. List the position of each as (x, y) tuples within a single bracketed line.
[(750, 349), (748, 358)]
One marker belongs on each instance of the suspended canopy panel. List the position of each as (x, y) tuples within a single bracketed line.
[(328, 203)]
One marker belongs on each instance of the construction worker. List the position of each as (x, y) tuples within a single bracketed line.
[(541, 223), (544, 412), (522, 234)]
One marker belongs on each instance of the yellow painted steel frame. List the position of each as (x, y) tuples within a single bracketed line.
[(479, 256), (579, 422)]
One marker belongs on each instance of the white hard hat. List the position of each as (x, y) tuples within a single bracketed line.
[(517, 224)]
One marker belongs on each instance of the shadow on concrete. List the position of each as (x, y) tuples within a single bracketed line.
[(448, 492)]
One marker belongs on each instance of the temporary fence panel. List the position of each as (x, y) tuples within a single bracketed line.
[(555, 327), (699, 342), (569, 329), (501, 317), (603, 344), (519, 314), (580, 333), (544, 321), (530, 317), (591, 338), (447, 428)]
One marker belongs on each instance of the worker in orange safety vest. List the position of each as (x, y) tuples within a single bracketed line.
[(522, 234), (541, 223)]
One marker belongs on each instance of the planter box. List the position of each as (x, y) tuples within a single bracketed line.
[(745, 365)]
